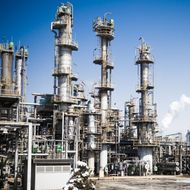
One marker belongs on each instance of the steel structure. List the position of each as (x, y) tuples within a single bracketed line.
[(145, 120), (41, 142), (20, 69), (104, 29), (65, 118)]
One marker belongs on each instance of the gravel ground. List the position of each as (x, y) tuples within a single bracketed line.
[(144, 183)]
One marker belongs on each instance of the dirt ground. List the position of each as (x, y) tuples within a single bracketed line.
[(144, 183)]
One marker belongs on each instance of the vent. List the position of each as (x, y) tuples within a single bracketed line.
[(49, 168), (53, 169), (40, 169), (57, 168)]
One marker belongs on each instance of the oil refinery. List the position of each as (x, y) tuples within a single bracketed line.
[(41, 141)]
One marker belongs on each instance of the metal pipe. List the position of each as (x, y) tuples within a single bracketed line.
[(18, 75), (29, 165), (23, 77), (91, 161), (55, 60), (91, 138), (103, 159), (76, 143), (16, 163), (62, 132)]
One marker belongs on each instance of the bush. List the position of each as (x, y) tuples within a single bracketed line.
[(79, 179)]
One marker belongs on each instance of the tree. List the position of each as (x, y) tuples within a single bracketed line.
[(79, 179)]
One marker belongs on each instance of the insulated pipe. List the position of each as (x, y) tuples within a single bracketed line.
[(16, 163), (91, 138), (18, 75), (103, 159), (91, 110), (55, 61), (63, 131), (23, 76), (91, 162), (71, 128)]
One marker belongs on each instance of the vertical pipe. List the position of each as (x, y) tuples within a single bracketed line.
[(91, 161), (18, 75), (103, 159), (29, 166), (62, 132), (17, 113), (55, 62), (180, 159), (23, 75), (16, 163), (76, 143), (66, 138), (91, 138), (54, 131)]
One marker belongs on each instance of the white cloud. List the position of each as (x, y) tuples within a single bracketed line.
[(174, 109)]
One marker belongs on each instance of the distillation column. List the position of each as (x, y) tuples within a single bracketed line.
[(146, 119), (21, 59), (63, 77), (7, 54), (104, 29), (62, 27)]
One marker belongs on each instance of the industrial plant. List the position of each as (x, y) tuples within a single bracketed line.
[(41, 141)]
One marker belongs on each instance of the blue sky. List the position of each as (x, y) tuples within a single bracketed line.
[(164, 24)]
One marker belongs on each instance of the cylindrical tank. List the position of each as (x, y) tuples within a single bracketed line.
[(91, 161), (64, 65), (7, 70)]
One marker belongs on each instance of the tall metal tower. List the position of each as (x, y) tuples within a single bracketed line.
[(7, 56), (65, 120), (104, 29), (20, 68), (64, 45), (146, 118)]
